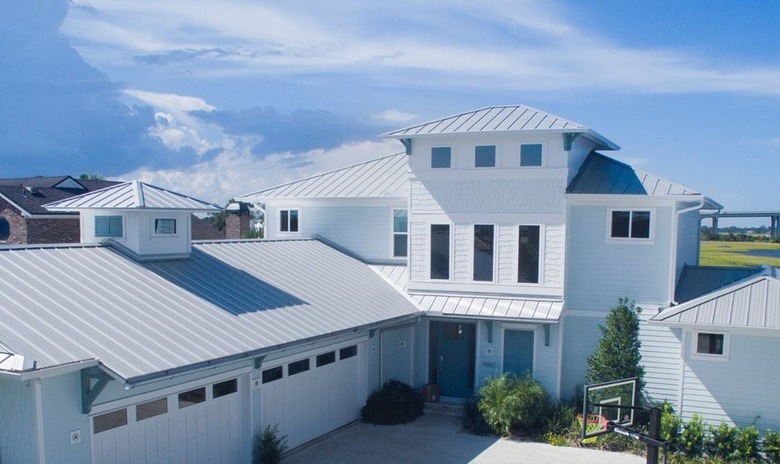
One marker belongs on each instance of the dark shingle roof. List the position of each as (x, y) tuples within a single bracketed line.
[(31, 193)]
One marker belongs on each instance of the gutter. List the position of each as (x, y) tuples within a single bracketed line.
[(673, 250)]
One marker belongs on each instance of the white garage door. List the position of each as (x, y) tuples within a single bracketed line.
[(314, 393), (203, 424)]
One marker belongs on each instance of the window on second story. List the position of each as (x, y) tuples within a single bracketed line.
[(441, 157), (485, 156), (531, 154), (528, 255), (711, 344), (288, 220), (483, 252), (5, 229), (630, 224), (440, 251), (400, 233), (108, 226), (166, 226)]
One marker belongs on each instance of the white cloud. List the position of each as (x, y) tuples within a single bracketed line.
[(395, 116), (529, 45), (237, 171)]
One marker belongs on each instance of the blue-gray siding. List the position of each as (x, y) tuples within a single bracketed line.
[(18, 433), (661, 359), (581, 336), (687, 241)]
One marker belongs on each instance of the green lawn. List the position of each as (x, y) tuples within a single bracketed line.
[(733, 254)]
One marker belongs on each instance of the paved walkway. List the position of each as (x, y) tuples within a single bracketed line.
[(438, 439)]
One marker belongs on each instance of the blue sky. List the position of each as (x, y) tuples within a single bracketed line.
[(220, 98)]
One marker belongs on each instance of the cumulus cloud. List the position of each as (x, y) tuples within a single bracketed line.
[(395, 116), (236, 171)]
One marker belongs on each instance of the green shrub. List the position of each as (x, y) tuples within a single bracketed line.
[(747, 444), (268, 447), (394, 403), (510, 404), (722, 442), (473, 421), (670, 427), (617, 355), (692, 438), (772, 447)]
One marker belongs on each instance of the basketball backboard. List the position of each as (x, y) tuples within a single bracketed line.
[(608, 402)]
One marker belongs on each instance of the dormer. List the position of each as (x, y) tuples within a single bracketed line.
[(143, 221)]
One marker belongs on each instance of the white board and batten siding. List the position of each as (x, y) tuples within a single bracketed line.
[(313, 402), (741, 389)]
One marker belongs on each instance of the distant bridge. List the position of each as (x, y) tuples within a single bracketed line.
[(774, 219)]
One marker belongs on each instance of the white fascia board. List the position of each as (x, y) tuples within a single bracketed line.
[(47, 372), (704, 327), (24, 212), (398, 201), (589, 199)]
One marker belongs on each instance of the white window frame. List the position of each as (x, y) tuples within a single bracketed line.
[(634, 240), (175, 226), (393, 233), (516, 250), (707, 356), (495, 254), (451, 269), (122, 219), (520, 155), (279, 225)]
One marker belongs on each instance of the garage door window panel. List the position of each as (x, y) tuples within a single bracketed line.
[(192, 397), (109, 420), (326, 358), (275, 373), (348, 352), (298, 366), (151, 409), (224, 388)]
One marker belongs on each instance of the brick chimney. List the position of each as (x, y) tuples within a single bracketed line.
[(237, 220)]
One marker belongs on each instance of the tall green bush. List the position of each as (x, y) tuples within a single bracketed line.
[(692, 438), (670, 427), (617, 355), (772, 446), (723, 441), (268, 447), (747, 444), (509, 404)]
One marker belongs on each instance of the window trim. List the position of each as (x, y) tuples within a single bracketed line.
[(520, 156), (495, 156), (449, 166), (450, 251), (393, 233), (108, 217), (279, 226), (709, 356), (176, 228), (635, 240), (495, 254), (516, 260)]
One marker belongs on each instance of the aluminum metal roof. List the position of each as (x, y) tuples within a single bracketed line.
[(752, 303), (132, 195), (63, 304), (383, 177), (530, 310), (511, 118), (601, 174)]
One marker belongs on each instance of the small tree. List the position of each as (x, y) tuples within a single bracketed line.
[(617, 355)]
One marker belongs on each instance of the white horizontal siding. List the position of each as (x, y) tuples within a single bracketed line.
[(661, 360), (365, 231), (17, 422), (739, 391)]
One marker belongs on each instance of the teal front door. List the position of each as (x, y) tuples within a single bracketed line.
[(519, 352), (451, 357)]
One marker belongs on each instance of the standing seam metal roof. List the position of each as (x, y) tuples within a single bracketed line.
[(132, 195), (382, 177), (66, 304)]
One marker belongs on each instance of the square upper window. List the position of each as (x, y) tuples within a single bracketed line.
[(165, 226), (531, 154), (108, 226), (630, 224), (711, 344), (485, 156), (441, 157), (288, 220)]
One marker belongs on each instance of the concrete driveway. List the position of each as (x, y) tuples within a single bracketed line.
[(438, 439)]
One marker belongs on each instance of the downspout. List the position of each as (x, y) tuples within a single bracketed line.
[(673, 250)]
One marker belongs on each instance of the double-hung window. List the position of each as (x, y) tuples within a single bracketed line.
[(634, 224), (400, 233), (288, 220)]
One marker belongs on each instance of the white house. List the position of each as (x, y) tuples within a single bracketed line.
[(497, 241)]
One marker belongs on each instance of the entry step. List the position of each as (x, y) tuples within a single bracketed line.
[(444, 409)]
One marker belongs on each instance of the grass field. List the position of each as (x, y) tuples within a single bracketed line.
[(734, 254)]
